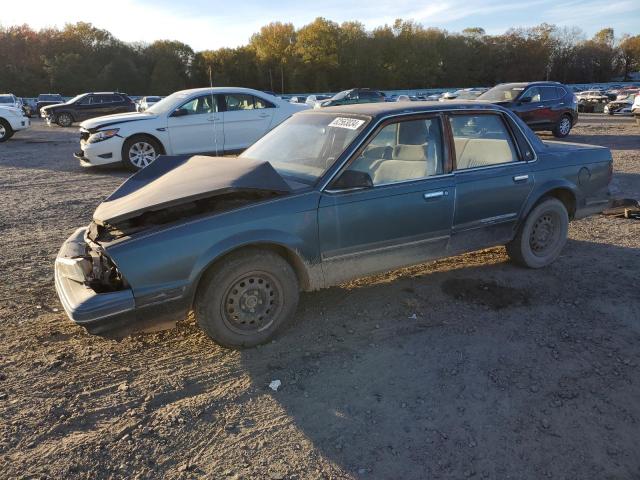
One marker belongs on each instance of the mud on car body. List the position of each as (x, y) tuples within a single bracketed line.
[(328, 196)]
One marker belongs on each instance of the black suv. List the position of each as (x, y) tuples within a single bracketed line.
[(46, 99), (542, 105), (87, 105), (355, 95)]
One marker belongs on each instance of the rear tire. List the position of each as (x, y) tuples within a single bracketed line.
[(563, 127), (139, 151), (6, 132), (64, 120), (542, 236), (247, 298)]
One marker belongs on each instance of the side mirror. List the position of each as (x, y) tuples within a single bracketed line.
[(525, 100), (352, 179), (180, 112)]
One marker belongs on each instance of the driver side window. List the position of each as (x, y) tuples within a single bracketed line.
[(534, 93), (403, 151), (201, 105)]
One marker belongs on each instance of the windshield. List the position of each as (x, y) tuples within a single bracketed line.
[(167, 103), (306, 145), (502, 93), (341, 95), (76, 98), (6, 99)]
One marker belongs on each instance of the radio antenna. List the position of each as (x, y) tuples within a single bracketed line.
[(214, 108)]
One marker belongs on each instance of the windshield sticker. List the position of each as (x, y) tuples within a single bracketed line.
[(349, 123)]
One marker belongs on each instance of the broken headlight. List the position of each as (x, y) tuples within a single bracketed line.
[(103, 135)]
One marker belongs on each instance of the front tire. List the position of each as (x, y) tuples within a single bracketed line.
[(6, 132), (247, 298), (64, 120), (563, 127), (542, 236), (140, 151)]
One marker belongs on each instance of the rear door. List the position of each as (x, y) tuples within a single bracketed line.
[(553, 105), (492, 180), (246, 119), (404, 219)]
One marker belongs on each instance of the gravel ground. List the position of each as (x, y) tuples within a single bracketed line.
[(466, 367)]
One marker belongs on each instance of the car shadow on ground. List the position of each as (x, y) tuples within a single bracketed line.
[(488, 370)]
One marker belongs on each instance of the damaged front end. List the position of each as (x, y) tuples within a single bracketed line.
[(107, 231), (92, 290), (91, 285)]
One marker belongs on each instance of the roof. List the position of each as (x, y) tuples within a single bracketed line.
[(250, 91), (379, 109), (525, 84)]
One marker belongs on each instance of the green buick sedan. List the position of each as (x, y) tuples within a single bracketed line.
[(328, 196)]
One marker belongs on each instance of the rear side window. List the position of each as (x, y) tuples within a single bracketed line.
[(561, 92), (481, 141), (549, 93)]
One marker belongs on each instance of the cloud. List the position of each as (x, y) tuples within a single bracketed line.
[(208, 25)]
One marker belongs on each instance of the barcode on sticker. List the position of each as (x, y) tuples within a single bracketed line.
[(350, 123)]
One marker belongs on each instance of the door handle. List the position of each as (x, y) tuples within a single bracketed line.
[(263, 115), (540, 106), (214, 119), (520, 178), (432, 195)]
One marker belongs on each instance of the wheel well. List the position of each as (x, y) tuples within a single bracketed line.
[(566, 196), (148, 135), (289, 256)]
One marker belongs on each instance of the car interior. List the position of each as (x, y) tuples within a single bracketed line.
[(403, 151), (480, 141)]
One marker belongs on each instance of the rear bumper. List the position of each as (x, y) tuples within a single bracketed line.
[(593, 207), (111, 314)]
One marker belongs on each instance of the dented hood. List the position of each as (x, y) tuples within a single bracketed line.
[(174, 180)]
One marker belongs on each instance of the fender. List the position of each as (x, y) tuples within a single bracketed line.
[(307, 267), (542, 189)]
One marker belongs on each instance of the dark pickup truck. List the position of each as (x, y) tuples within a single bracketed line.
[(328, 196)]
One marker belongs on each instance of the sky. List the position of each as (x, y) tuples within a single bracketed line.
[(213, 24)]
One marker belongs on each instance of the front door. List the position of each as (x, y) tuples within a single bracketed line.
[(85, 108), (246, 119), (403, 219), (197, 127), (534, 112), (492, 182)]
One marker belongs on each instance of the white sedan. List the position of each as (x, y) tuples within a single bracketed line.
[(12, 119), (203, 120)]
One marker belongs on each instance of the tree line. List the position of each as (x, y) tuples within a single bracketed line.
[(320, 56)]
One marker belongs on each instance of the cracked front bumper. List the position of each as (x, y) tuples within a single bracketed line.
[(97, 312)]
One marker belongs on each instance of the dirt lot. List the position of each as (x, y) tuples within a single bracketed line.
[(467, 367)]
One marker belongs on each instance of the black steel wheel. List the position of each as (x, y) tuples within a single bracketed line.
[(246, 298), (541, 236)]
